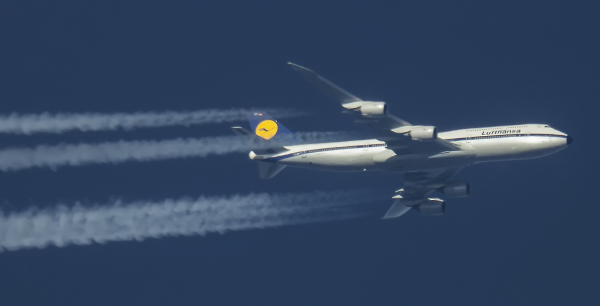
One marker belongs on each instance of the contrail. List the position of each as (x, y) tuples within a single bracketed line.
[(13, 159), (139, 220), (64, 122)]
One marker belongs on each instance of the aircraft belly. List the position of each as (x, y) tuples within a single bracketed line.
[(519, 148), (350, 160), (390, 161)]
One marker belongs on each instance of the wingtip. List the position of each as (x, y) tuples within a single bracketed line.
[(298, 67), (388, 216)]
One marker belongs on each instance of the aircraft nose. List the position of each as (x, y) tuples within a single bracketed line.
[(569, 140)]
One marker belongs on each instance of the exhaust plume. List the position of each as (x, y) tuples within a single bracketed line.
[(139, 220), (85, 122), (13, 159)]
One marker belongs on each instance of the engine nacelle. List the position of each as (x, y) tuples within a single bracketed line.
[(456, 189), (432, 207), (424, 133), (373, 109)]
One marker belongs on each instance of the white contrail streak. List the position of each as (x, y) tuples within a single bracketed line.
[(63, 122), (117, 221), (13, 159)]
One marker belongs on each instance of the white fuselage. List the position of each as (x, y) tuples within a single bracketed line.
[(472, 146)]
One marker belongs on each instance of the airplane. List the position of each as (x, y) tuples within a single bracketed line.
[(427, 158)]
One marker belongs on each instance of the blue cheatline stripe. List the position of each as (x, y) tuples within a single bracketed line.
[(503, 136), (280, 157)]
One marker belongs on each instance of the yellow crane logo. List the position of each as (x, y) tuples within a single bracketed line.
[(266, 129)]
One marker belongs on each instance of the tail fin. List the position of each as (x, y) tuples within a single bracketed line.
[(264, 126), (272, 133)]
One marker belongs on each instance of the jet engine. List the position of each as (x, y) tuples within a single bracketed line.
[(432, 207), (373, 109), (456, 189), (424, 133)]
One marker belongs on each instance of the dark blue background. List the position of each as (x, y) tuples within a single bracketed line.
[(528, 235)]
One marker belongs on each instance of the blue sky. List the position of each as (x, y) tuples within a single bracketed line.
[(528, 234)]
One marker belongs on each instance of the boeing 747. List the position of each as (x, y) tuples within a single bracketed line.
[(427, 158)]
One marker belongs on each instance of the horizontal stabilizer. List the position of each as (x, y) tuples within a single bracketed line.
[(269, 170), (240, 131), (398, 209)]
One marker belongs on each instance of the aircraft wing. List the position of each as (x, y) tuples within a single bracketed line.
[(348, 100), (388, 126), (417, 187), (326, 86)]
